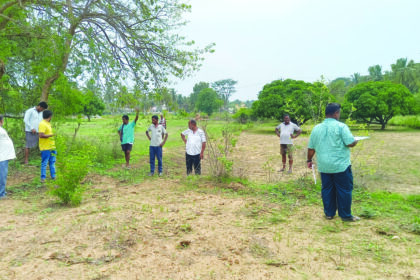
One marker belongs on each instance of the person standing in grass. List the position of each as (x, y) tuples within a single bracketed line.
[(47, 146), (331, 141), (286, 132), (156, 144), (126, 132), (162, 120), (195, 146), (33, 117), (7, 152)]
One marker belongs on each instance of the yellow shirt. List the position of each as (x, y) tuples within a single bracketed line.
[(46, 143)]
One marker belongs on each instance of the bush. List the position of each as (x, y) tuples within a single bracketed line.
[(73, 163), (409, 121), (243, 115)]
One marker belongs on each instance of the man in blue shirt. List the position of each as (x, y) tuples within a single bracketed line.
[(331, 141)]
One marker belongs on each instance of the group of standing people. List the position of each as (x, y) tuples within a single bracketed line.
[(194, 139), (329, 140), (38, 132)]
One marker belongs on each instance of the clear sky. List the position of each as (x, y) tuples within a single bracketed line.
[(258, 41)]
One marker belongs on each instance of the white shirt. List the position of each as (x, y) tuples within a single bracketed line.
[(156, 137), (194, 141), (32, 119), (285, 131), (7, 151)]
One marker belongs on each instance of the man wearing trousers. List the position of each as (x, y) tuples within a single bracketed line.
[(195, 146), (156, 143), (331, 141)]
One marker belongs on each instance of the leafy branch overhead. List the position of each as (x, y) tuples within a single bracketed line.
[(111, 40)]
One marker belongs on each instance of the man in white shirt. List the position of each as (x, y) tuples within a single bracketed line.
[(7, 152), (195, 146), (33, 117), (156, 144), (286, 132)]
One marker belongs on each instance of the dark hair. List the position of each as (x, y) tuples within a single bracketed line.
[(332, 108), (286, 115), (1, 118), (43, 104), (125, 117), (155, 117), (193, 122), (46, 114)]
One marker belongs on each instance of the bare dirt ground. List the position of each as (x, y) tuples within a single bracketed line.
[(164, 228)]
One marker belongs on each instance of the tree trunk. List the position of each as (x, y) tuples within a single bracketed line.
[(383, 126), (60, 70)]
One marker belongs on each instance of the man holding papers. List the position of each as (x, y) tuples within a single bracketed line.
[(331, 141)]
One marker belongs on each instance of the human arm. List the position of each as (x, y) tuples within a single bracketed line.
[(296, 134), (43, 135), (203, 147), (311, 153), (353, 144), (164, 140), (278, 131), (148, 136), (137, 115), (27, 120), (183, 138)]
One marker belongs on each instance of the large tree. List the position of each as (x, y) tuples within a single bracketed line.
[(378, 102), (225, 89), (111, 40), (208, 101), (302, 101), (405, 72)]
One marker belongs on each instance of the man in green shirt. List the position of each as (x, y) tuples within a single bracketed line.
[(126, 132), (331, 141)]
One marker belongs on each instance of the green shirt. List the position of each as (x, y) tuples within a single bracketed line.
[(329, 139), (127, 133)]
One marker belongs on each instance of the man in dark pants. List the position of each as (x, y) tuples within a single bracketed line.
[(195, 146), (331, 141), (156, 144), (126, 133)]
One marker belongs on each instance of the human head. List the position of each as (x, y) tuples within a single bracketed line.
[(333, 111), (125, 119), (1, 120), (42, 106), (286, 119), (155, 119), (47, 115), (192, 124), (161, 115)]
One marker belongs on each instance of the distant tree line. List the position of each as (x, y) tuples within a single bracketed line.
[(371, 99)]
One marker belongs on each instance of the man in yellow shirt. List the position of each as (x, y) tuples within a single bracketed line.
[(47, 145)]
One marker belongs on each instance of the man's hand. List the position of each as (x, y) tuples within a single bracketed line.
[(163, 143), (33, 131), (292, 136), (310, 164), (201, 156)]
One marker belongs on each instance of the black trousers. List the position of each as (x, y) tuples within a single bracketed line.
[(193, 160)]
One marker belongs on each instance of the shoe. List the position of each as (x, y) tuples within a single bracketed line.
[(351, 219), (281, 170), (290, 171), (160, 174), (151, 174), (42, 181), (329, 217)]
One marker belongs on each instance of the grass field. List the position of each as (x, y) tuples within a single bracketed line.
[(257, 224)]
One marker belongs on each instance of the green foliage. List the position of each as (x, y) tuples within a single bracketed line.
[(208, 101), (378, 102), (243, 115), (302, 101), (92, 104), (225, 89), (73, 163), (408, 121)]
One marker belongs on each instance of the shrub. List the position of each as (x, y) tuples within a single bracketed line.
[(409, 121), (73, 163)]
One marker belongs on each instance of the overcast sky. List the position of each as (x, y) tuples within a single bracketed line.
[(258, 41)]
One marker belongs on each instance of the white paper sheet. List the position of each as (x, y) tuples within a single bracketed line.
[(358, 138)]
